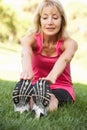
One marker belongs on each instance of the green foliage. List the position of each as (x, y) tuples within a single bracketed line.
[(13, 24), (8, 21)]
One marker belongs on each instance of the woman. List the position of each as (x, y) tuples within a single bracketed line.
[(48, 51)]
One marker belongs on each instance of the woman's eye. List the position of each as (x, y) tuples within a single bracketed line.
[(44, 18), (55, 18)]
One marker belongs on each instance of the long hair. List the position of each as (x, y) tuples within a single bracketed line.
[(37, 24)]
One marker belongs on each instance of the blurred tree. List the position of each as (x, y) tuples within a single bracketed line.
[(8, 22), (76, 10), (77, 19), (31, 7), (13, 24), (77, 23)]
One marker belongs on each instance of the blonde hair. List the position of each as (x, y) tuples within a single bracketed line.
[(44, 3)]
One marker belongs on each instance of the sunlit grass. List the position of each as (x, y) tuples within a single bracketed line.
[(69, 117)]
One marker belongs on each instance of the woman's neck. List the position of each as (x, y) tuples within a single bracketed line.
[(50, 39)]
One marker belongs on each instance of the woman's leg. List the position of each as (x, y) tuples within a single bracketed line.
[(62, 96), (59, 97), (53, 105)]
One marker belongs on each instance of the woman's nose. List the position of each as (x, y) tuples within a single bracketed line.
[(50, 21)]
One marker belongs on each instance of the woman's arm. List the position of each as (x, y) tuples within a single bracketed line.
[(70, 47), (27, 50)]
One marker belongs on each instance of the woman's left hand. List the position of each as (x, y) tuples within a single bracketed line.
[(49, 79)]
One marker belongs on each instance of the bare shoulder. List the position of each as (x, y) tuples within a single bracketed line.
[(70, 43), (29, 40)]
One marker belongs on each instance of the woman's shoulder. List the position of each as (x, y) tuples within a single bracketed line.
[(29, 39), (70, 42)]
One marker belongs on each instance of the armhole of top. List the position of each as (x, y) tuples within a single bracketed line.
[(39, 42), (59, 46)]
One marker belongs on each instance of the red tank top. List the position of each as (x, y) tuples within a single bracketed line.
[(42, 65)]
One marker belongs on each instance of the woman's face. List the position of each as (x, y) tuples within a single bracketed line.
[(50, 20)]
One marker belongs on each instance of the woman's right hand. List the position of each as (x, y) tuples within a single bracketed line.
[(27, 75)]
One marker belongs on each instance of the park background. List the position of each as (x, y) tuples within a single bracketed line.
[(16, 18)]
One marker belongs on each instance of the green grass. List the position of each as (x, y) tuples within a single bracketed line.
[(69, 117)]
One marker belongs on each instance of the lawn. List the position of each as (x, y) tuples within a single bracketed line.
[(69, 117)]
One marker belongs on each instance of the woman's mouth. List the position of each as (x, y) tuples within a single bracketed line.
[(50, 28)]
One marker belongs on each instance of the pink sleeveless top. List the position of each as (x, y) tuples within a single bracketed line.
[(42, 65)]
